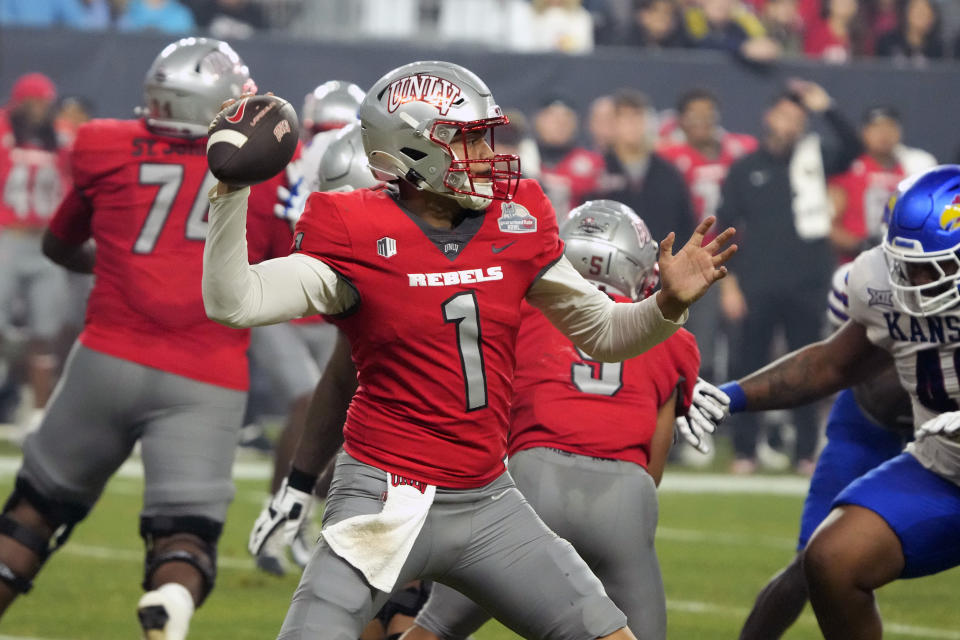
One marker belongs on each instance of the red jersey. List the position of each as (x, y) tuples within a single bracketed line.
[(569, 181), (868, 186), (143, 198), (434, 332), (33, 180), (704, 176), (822, 43), (565, 400)]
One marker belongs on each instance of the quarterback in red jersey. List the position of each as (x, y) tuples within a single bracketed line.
[(149, 365), (33, 179), (426, 281), (559, 449)]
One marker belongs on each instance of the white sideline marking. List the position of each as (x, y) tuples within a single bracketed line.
[(673, 481), (3, 637), (732, 539)]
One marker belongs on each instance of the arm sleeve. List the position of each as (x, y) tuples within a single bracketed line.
[(240, 295), (688, 357), (837, 159), (605, 330), (71, 222)]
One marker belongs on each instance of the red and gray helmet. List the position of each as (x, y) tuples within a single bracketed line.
[(187, 83), (331, 105), (611, 246), (415, 123)]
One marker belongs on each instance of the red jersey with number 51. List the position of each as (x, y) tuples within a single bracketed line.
[(433, 334), (143, 198), (565, 400)]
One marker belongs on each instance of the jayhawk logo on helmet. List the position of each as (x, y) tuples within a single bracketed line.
[(950, 218)]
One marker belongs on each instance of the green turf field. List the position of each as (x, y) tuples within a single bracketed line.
[(717, 549)]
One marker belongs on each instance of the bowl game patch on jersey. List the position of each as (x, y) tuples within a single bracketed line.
[(515, 218)]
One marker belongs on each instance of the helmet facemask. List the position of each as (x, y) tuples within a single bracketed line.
[(476, 181), (923, 283)]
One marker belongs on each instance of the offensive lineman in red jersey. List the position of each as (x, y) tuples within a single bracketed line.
[(427, 282), (149, 365)]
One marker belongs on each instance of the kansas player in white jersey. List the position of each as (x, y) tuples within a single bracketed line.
[(901, 520)]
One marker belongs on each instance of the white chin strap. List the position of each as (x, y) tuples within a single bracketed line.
[(476, 202)]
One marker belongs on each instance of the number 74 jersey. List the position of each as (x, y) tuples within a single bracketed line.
[(434, 325), (924, 349)]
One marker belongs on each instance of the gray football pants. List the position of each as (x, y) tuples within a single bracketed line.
[(608, 510), (486, 542), (102, 405), (292, 355)]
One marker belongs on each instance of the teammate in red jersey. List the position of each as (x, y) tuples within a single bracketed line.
[(149, 365), (427, 282), (33, 179), (704, 158), (861, 193)]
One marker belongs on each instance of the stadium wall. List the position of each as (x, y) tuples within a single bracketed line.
[(108, 68)]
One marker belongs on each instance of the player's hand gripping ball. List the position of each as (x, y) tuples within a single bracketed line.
[(252, 140)]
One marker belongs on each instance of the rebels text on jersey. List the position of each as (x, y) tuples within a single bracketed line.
[(924, 350), (33, 180), (565, 400), (434, 331), (143, 199)]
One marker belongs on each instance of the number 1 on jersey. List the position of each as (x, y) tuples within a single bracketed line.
[(461, 310)]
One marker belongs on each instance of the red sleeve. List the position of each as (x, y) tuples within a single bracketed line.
[(71, 223), (686, 355), (321, 233)]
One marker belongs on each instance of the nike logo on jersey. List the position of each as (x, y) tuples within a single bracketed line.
[(449, 278), (500, 495), (932, 329), (497, 249)]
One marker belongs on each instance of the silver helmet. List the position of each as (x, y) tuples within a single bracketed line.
[(611, 246), (187, 83), (416, 122), (331, 105), (343, 166)]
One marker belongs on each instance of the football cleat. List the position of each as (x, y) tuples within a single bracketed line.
[(165, 612)]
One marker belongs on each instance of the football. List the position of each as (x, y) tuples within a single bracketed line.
[(252, 140)]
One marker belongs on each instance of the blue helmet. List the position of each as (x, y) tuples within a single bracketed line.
[(923, 240)]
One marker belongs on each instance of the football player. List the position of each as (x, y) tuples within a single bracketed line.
[(901, 519), (868, 425), (149, 365), (34, 177), (573, 473), (426, 282)]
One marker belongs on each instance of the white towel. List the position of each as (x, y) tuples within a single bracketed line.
[(378, 544), (812, 210)]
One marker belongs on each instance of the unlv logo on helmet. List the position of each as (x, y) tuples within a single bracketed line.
[(427, 88)]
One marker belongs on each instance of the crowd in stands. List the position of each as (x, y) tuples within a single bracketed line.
[(911, 32)]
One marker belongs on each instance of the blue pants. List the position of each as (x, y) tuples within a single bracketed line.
[(922, 508), (855, 445)]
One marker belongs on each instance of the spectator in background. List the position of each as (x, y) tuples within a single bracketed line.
[(515, 137), (73, 112), (882, 16), (33, 180), (561, 25), (860, 194), (703, 159), (568, 171), (42, 13), (839, 35), (228, 19), (782, 21), (600, 123), (727, 25), (166, 16), (777, 199), (99, 14), (657, 24), (640, 178), (917, 38)]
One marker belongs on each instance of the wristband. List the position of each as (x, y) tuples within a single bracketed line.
[(738, 399), (301, 480)]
